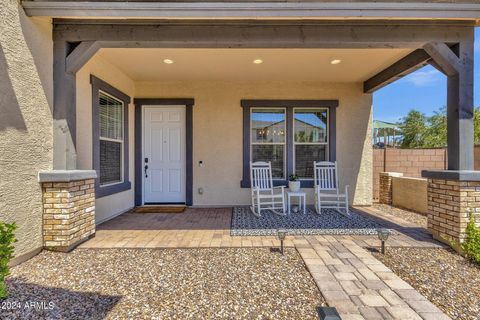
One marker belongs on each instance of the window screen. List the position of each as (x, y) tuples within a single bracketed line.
[(111, 139)]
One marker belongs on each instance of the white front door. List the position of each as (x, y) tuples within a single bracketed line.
[(164, 154)]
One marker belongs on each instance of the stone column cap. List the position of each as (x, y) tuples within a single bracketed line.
[(65, 175), (392, 174), (457, 175)]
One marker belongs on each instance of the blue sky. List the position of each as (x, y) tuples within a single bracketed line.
[(424, 90)]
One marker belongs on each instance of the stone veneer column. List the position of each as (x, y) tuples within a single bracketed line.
[(68, 208), (450, 204), (386, 186)]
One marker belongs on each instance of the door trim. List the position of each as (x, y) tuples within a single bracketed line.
[(188, 103)]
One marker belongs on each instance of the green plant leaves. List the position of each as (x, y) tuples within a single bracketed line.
[(471, 245), (7, 238)]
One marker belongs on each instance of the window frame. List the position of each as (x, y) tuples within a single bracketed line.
[(100, 86), (327, 143), (284, 144), (289, 105)]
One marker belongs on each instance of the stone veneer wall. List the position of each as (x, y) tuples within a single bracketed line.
[(450, 204), (68, 213), (386, 186)]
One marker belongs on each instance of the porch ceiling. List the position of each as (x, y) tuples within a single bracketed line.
[(356, 65)]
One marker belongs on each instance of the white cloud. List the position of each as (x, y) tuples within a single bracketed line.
[(423, 78)]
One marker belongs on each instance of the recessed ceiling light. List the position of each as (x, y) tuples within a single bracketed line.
[(168, 61), (335, 61), (258, 61)]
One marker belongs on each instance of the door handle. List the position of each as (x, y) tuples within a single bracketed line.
[(145, 168)]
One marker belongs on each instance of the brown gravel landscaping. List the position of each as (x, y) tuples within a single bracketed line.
[(240, 283), (448, 280), (407, 215)]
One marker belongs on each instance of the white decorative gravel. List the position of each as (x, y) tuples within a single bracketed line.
[(233, 283)]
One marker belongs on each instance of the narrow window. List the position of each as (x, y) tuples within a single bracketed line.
[(111, 111), (268, 132), (310, 139)]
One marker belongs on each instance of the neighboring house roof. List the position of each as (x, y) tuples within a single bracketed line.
[(259, 124), (378, 124)]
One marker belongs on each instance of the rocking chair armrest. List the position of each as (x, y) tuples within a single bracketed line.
[(279, 187), (256, 190)]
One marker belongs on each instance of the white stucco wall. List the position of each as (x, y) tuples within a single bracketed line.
[(109, 206), (217, 132), (26, 100)]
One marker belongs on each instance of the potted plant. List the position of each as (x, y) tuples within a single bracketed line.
[(293, 183)]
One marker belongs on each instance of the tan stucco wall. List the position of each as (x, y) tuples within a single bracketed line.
[(410, 193), (26, 99), (217, 131), (109, 206)]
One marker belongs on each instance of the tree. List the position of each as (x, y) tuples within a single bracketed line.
[(420, 131), (413, 129), (476, 125), (436, 130)]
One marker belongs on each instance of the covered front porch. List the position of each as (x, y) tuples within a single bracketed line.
[(128, 94)]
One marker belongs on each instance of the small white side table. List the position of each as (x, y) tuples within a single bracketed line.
[(301, 200)]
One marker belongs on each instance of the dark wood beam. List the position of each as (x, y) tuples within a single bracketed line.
[(436, 66), (443, 56), (248, 34), (80, 55), (399, 69)]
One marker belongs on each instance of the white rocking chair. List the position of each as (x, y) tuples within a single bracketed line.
[(264, 196), (327, 191)]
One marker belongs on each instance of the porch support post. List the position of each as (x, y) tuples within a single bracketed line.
[(64, 117), (453, 194), (68, 195), (460, 112), (459, 70)]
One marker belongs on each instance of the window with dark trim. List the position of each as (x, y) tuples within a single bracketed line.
[(110, 138), (291, 134)]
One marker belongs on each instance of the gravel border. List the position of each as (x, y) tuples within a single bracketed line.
[(407, 215), (448, 280), (240, 283)]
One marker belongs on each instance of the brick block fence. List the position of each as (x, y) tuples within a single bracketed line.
[(410, 162), (386, 189)]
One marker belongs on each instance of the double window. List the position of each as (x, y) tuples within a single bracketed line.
[(110, 138), (291, 134)]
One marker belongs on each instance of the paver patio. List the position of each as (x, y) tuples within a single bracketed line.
[(348, 276)]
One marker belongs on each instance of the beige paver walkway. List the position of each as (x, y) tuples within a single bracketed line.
[(360, 286), (349, 277)]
